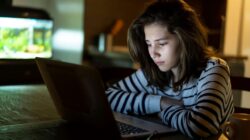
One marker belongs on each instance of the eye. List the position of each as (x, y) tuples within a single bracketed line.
[(163, 44), (149, 45)]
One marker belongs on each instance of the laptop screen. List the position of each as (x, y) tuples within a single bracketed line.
[(79, 96), (68, 83)]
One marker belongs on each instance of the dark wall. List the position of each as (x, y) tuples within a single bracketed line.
[(100, 15), (212, 14), (4, 3)]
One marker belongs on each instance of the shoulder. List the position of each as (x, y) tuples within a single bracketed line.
[(217, 70), (216, 62), (139, 74), (215, 66)]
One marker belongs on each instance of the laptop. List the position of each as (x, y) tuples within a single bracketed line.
[(79, 96)]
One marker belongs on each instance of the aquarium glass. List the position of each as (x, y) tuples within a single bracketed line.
[(25, 38)]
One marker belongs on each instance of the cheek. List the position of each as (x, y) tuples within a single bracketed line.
[(176, 55), (168, 52), (150, 52), (171, 54)]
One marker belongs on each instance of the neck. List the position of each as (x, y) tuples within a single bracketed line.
[(175, 72)]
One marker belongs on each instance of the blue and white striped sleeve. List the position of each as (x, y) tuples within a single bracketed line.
[(132, 95), (213, 106)]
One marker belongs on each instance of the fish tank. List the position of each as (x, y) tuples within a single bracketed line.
[(25, 34)]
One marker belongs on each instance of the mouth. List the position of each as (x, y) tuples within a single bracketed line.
[(159, 63)]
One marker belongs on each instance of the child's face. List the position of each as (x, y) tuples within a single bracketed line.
[(162, 46)]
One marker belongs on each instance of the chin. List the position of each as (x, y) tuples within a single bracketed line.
[(163, 69)]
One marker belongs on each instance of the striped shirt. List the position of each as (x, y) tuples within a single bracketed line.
[(208, 100)]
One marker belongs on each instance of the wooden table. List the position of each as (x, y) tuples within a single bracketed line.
[(25, 103), (31, 104)]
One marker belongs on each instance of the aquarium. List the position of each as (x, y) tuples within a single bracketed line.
[(25, 38)]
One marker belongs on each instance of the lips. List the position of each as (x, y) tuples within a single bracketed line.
[(159, 62)]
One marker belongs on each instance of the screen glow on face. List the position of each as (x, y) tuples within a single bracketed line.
[(25, 38)]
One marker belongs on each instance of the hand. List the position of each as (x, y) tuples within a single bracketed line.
[(165, 101)]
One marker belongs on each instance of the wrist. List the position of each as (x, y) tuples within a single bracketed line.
[(164, 102)]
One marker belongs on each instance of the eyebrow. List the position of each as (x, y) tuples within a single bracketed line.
[(166, 38), (160, 39)]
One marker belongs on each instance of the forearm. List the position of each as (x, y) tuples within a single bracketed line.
[(135, 103), (133, 95), (186, 119), (199, 120)]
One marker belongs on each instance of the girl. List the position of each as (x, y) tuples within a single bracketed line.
[(179, 77)]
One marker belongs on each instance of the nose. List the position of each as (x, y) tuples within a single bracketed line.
[(154, 51)]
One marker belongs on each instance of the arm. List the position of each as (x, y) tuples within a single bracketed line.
[(165, 102), (133, 95), (213, 105)]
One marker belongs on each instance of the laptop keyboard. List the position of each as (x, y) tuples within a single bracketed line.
[(126, 129)]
